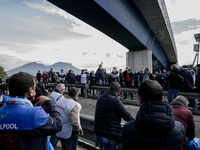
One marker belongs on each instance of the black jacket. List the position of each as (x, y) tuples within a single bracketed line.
[(188, 79), (108, 114), (100, 75), (198, 79), (154, 129), (125, 75), (174, 80)]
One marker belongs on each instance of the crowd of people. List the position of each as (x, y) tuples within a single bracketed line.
[(184, 79), (124, 78), (29, 115)]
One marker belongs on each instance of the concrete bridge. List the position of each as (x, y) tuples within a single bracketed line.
[(142, 26)]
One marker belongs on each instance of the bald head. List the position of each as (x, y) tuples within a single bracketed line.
[(60, 87), (182, 99), (174, 66)]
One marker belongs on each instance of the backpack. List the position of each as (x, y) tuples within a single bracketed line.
[(38, 75)]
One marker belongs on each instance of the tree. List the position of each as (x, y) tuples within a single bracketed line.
[(2, 72)]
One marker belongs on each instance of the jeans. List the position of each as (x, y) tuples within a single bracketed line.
[(172, 93), (193, 103), (102, 83), (70, 143), (54, 140), (106, 144)]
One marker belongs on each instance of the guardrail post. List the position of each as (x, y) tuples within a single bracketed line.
[(86, 90)]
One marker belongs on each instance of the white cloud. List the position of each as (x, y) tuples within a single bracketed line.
[(185, 42), (49, 9), (183, 9), (38, 17)]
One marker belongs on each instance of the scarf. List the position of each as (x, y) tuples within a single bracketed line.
[(18, 100)]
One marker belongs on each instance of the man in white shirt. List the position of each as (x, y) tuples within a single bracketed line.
[(55, 96), (62, 76), (69, 110)]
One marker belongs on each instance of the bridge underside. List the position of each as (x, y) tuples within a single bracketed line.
[(122, 21)]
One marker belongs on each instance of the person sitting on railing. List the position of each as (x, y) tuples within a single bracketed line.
[(70, 116), (184, 115), (155, 127), (108, 114)]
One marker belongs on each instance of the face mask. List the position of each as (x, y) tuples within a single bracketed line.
[(100, 67), (126, 69), (145, 71), (83, 72), (114, 70)]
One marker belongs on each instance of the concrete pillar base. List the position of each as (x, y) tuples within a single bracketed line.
[(139, 60)]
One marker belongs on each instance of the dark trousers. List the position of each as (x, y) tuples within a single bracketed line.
[(128, 84), (70, 143)]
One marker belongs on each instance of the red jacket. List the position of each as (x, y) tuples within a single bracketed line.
[(44, 76), (184, 115)]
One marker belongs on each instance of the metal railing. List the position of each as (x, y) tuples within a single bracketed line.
[(87, 123), (195, 94)]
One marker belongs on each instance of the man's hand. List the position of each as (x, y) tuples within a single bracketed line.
[(80, 132), (40, 100)]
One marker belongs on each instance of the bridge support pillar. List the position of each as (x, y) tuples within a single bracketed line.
[(139, 60)]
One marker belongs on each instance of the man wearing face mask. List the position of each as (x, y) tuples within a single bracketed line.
[(108, 114), (147, 75), (114, 75), (128, 75)]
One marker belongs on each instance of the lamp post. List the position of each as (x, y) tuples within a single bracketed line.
[(196, 48), (197, 38)]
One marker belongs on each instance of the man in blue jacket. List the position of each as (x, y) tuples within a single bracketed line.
[(23, 126), (108, 114)]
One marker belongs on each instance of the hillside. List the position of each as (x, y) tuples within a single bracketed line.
[(33, 68)]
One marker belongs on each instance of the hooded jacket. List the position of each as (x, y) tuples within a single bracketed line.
[(154, 129), (188, 79), (174, 80), (198, 80), (184, 115)]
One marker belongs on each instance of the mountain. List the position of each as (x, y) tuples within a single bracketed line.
[(33, 68)]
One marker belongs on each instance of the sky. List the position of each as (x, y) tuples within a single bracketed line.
[(38, 31)]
